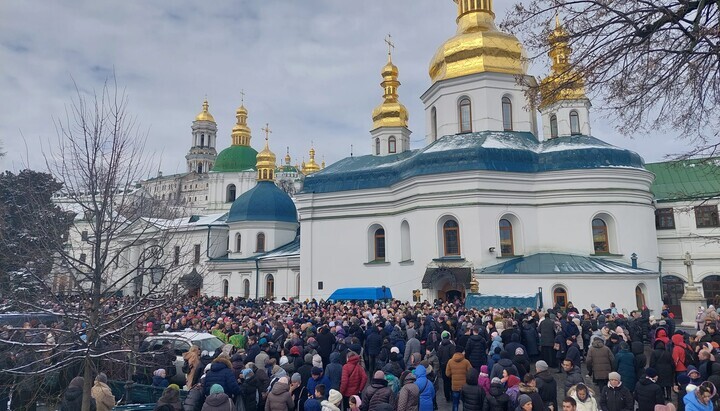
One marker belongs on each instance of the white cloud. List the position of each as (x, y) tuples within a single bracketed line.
[(310, 68)]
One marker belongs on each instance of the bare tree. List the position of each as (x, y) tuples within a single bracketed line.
[(116, 245), (653, 64)]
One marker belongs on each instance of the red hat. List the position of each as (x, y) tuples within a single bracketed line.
[(295, 350)]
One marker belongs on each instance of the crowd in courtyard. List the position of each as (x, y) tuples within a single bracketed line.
[(320, 356)]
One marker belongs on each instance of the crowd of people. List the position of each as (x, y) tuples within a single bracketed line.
[(361, 356)]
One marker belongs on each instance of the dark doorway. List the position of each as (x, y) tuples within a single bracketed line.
[(452, 295), (673, 289)]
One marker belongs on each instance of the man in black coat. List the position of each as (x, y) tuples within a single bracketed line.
[(546, 329), (475, 349), (572, 352), (648, 393), (616, 397), (546, 385), (325, 340)]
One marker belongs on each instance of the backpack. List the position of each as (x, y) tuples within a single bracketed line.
[(691, 357)]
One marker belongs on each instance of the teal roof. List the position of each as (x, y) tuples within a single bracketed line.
[(264, 202), (552, 263), (686, 179), (505, 151), (236, 158)]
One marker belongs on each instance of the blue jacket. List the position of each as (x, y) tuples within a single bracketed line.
[(625, 366), (221, 373), (693, 404), (160, 382), (333, 371), (312, 383), (427, 390), (312, 405)]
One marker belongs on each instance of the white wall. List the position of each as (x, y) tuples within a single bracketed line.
[(562, 110), (219, 182)]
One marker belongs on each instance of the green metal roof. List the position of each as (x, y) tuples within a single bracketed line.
[(236, 158), (556, 263), (686, 179)]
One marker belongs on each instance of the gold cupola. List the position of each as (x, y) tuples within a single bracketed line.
[(563, 83), (390, 113), (287, 157), (205, 114), (311, 166), (241, 131), (266, 160), (478, 46)]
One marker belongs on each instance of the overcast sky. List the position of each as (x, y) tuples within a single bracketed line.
[(310, 68)]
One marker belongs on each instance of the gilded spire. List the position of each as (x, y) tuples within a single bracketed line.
[(478, 46), (241, 132), (563, 83), (311, 166), (390, 113), (205, 114), (287, 157), (266, 159)]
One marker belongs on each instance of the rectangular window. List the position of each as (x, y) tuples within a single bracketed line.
[(664, 219), (83, 257), (452, 245), (84, 235), (176, 256), (320, 285), (706, 216), (197, 254)]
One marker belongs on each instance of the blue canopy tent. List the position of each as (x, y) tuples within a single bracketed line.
[(361, 294), (480, 301)]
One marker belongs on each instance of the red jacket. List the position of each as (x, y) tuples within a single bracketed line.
[(678, 353), (353, 377)]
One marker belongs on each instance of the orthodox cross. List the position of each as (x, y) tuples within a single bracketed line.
[(242, 96), (267, 131), (391, 45)]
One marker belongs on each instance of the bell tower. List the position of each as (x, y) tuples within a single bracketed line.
[(202, 154)]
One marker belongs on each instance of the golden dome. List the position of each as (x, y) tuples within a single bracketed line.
[(205, 114), (478, 46), (563, 83), (241, 132), (390, 113), (266, 161), (287, 157), (311, 166)]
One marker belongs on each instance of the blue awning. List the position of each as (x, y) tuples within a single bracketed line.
[(484, 301), (361, 293)]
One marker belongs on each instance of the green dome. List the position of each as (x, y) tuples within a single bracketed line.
[(236, 158)]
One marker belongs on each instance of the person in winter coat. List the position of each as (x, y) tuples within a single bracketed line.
[(498, 400), (445, 351), (701, 398), (615, 396), (546, 385), (648, 393), (530, 339), (218, 400), (678, 353), (484, 379), (574, 376), (493, 358), (72, 398), (572, 352), (496, 343), (279, 398), (409, 396), (599, 362), (104, 399), (638, 351), (475, 349), (191, 365), (546, 329), (333, 371), (524, 403), (170, 398), (584, 397), (661, 360), (473, 396), (195, 398), (505, 363), (514, 344), (159, 379), (377, 393), (333, 402), (528, 387), (317, 378), (625, 365), (221, 373), (426, 389), (353, 377), (249, 389), (456, 371), (412, 346), (521, 362)]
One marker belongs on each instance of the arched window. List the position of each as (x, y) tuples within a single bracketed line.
[(392, 145), (270, 287), (506, 238), (202, 140), (451, 238), (639, 297), (553, 126), (433, 123), (711, 289), (405, 241), (574, 123), (230, 193), (507, 114), (199, 168), (377, 146), (600, 236), (226, 287), (380, 244), (238, 242), (560, 297), (246, 288), (465, 114), (260, 244)]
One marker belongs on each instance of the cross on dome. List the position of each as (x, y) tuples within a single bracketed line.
[(391, 45), (267, 131)]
